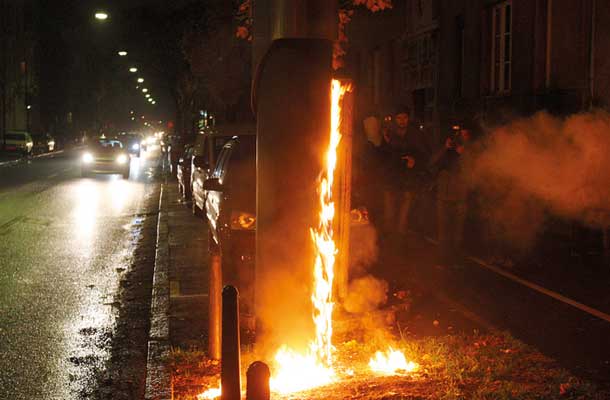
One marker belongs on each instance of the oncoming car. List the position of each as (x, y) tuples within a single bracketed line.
[(105, 156)]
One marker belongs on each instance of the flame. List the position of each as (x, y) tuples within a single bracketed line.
[(391, 362), (212, 393), (295, 371)]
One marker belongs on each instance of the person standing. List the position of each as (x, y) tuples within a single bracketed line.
[(408, 159), (372, 172), (451, 194)]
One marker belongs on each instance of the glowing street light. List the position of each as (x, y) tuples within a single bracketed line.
[(147, 95), (133, 70), (153, 102), (140, 80), (101, 16), (122, 53), (144, 90)]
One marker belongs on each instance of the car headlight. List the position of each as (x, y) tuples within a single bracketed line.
[(135, 146), (87, 158), (243, 221), (121, 159)]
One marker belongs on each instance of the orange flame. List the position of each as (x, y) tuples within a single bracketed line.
[(297, 372), (212, 393), (391, 362)]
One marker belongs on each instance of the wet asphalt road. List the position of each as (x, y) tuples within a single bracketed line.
[(65, 243)]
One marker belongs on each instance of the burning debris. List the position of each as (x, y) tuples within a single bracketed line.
[(391, 362)]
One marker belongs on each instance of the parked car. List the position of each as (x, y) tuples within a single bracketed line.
[(205, 153), (105, 156), (230, 207), (183, 172), (43, 143), (19, 142)]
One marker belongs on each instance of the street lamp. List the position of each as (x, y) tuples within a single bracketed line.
[(140, 80), (144, 90), (133, 70), (147, 95), (101, 16), (122, 53)]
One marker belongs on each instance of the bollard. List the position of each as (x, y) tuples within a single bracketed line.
[(215, 296), (230, 379), (257, 381)]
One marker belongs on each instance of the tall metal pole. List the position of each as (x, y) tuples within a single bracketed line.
[(230, 373), (294, 76)]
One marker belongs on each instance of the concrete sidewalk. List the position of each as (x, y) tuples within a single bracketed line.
[(179, 310)]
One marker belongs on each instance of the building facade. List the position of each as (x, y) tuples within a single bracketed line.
[(18, 85), (475, 61)]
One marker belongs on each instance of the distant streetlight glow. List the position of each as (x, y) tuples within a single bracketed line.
[(154, 102), (140, 80), (101, 16), (144, 90), (147, 95), (133, 70), (122, 53)]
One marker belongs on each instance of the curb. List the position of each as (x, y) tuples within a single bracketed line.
[(21, 160), (158, 377)]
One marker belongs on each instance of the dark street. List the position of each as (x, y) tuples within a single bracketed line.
[(304, 200), (65, 244)]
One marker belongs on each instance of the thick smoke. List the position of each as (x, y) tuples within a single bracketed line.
[(543, 165)]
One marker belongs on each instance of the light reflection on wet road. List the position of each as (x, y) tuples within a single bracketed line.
[(65, 242)]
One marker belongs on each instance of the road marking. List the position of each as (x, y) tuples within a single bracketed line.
[(557, 296), (543, 290)]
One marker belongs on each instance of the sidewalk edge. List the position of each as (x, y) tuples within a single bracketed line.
[(158, 377)]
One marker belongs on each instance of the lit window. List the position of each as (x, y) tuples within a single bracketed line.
[(501, 51)]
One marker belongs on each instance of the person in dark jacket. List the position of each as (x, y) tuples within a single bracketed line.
[(451, 194), (408, 161), (372, 168)]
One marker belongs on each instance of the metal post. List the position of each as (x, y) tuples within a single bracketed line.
[(215, 306), (230, 378), (257, 381), (344, 194)]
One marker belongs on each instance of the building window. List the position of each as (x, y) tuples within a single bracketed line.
[(501, 52)]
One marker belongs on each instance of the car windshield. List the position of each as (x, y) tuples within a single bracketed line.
[(15, 136), (108, 144)]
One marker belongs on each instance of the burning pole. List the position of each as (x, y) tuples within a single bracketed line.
[(343, 191), (292, 105)]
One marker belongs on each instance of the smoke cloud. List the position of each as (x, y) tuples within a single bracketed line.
[(366, 294), (543, 165)]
